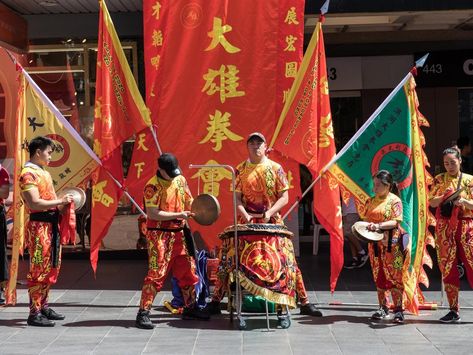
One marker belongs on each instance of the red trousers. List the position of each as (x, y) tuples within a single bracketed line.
[(388, 269), (454, 244), (166, 251), (41, 274)]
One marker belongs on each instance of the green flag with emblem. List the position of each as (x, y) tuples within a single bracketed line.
[(391, 139)]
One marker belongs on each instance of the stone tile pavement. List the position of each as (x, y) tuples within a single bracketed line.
[(100, 315)]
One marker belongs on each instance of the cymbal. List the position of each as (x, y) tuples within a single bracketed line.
[(206, 208), (360, 230), (78, 195)]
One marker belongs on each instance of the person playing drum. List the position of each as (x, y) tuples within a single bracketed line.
[(261, 192), (168, 201), (454, 227), (42, 230), (387, 257)]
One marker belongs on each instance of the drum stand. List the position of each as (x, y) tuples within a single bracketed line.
[(283, 319)]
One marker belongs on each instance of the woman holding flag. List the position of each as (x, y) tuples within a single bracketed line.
[(387, 257), (452, 197)]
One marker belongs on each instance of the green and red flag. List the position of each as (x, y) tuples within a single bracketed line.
[(305, 133), (391, 139)]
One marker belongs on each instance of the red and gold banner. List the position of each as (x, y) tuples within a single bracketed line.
[(214, 75), (120, 112), (105, 197), (305, 133), (119, 108)]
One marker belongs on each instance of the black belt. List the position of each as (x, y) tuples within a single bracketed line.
[(390, 242), (53, 218), (166, 229)]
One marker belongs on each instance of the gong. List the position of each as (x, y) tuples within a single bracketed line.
[(206, 209)]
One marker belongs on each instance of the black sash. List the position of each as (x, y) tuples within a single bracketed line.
[(53, 218), (3, 246)]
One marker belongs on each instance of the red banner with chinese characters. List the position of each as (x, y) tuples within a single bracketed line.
[(305, 133), (143, 165), (214, 75)]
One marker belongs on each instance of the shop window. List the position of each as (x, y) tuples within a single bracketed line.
[(465, 112), (346, 115)]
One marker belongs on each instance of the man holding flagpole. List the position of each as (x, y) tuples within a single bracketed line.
[(42, 230)]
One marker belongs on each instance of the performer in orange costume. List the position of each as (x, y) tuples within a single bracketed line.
[(262, 191), (388, 257), (168, 201), (454, 228), (42, 234)]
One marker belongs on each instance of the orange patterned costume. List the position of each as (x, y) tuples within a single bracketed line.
[(261, 186), (454, 236), (166, 242), (388, 267), (39, 235)]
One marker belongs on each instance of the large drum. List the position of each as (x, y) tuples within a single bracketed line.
[(266, 258)]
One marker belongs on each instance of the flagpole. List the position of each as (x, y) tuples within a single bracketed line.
[(375, 114), (153, 132), (125, 192)]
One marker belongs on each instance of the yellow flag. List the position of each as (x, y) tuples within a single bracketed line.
[(72, 160)]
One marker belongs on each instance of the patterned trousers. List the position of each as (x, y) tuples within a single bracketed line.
[(41, 275), (453, 245), (166, 251), (388, 271)]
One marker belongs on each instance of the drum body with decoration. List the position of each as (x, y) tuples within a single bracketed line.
[(267, 266)]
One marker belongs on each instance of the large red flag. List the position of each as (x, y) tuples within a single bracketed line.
[(119, 113), (209, 84), (304, 132)]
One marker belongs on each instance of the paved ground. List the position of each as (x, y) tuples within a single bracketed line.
[(100, 315)]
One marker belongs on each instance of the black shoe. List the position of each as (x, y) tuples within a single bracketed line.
[(51, 314), (143, 321), (451, 317), (195, 313), (381, 313), (38, 320), (213, 307), (309, 309), (398, 317), (357, 262)]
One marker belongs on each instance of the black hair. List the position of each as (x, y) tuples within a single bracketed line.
[(387, 179), (40, 143), (452, 150), (463, 142)]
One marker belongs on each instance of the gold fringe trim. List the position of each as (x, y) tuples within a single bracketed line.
[(271, 296)]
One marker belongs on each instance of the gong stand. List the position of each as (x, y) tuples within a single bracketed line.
[(237, 266)]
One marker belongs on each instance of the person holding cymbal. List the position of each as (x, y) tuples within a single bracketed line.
[(452, 197)]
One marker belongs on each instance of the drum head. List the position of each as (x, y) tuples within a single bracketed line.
[(206, 209), (78, 195), (359, 230)]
